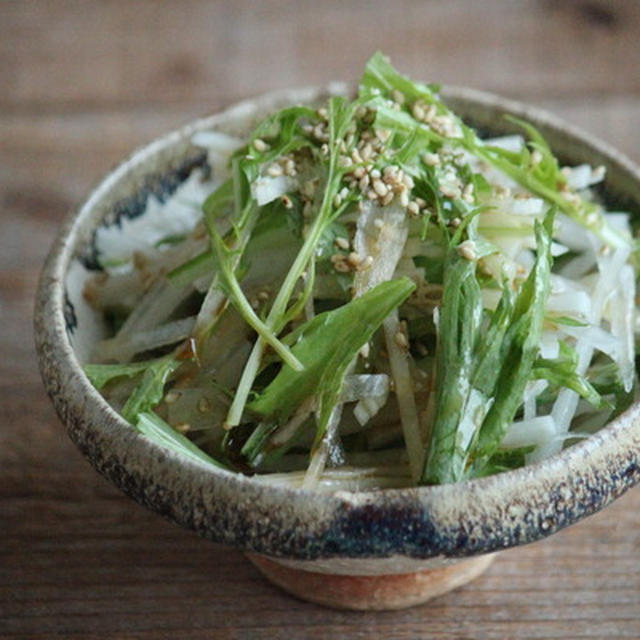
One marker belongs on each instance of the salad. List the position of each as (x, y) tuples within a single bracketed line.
[(366, 294)]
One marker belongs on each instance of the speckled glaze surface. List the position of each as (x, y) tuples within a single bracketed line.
[(398, 527)]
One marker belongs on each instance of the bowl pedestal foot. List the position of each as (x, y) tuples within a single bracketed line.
[(370, 592)]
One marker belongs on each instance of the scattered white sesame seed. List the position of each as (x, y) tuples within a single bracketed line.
[(172, 397), (468, 250), (431, 159), (413, 208), (387, 199), (183, 428), (380, 187), (358, 172), (342, 243), (274, 170), (203, 405), (408, 181), (260, 145), (365, 349), (401, 340), (286, 201), (536, 157), (418, 111)]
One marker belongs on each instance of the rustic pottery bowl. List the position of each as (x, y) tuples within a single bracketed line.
[(370, 550)]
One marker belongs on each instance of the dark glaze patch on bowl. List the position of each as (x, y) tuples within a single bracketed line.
[(161, 185)]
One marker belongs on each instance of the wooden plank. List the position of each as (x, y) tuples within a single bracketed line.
[(60, 53)]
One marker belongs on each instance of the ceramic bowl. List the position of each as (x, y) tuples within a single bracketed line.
[(375, 549)]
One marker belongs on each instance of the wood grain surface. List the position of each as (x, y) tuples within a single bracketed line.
[(83, 83)]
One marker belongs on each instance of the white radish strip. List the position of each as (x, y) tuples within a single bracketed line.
[(361, 386), (288, 430), (400, 372), (319, 457), (531, 393), (570, 303), (513, 142), (125, 348), (267, 188), (534, 431), (622, 324), (579, 266), (154, 308)]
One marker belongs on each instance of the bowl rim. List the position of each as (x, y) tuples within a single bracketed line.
[(467, 518)]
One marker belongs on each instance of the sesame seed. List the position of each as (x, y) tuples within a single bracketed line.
[(375, 173), (324, 149), (380, 187), (413, 208), (408, 181), (274, 170), (203, 405), (387, 199), (431, 159), (172, 397), (358, 172), (345, 162), (367, 263), (290, 167), (404, 199), (286, 201), (337, 200), (344, 192), (183, 428), (536, 158), (356, 157), (401, 340), (367, 152), (341, 243), (364, 182), (468, 250), (322, 112), (365, 349), (260, 145), (418, 111)]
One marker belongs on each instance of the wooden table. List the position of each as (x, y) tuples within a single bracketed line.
[(84, 83)]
